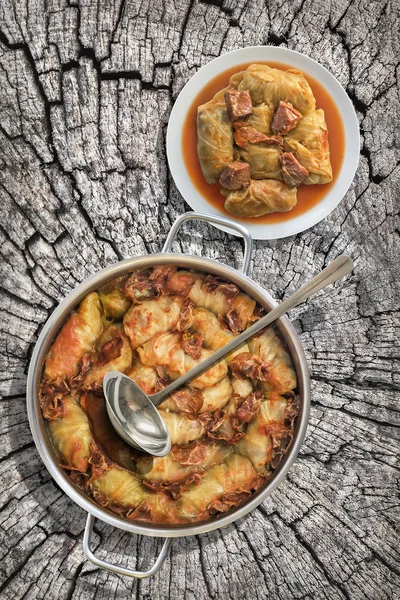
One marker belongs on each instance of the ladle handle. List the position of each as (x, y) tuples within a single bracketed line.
[(337, 269)]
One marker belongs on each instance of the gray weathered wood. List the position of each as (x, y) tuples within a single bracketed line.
[(86, 88)]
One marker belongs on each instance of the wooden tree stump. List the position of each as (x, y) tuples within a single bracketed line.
[(86, 88)]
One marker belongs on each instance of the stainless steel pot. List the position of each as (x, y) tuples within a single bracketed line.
[(38, 426)]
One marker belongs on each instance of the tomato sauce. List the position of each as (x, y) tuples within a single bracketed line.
[(307, 195)]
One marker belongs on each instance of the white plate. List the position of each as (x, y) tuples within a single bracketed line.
[(261, 231)]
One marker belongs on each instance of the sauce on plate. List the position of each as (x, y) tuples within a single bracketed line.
[(307, 195)]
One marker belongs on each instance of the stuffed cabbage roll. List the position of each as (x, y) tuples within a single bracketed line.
[(271, 85), (146, 377), (224, 486), (213, 301), (75, 339), (310, 145), (163, 468), (263, 161), (165, 350), (260, 198), (143, 321), (114, 302), (214, 139), (275, 421), (164, 474), (214, 335), (71, 435), (217, 396), (168, 474), (228, 429), (234, 81), (186, 400), (114, 486), (104, 433), (182, 430), (113, 353), (181, 282), (192, 401), (216, 297), (261, 118), (202, 452), (270, 348), (242, 387), (156, 508), (257, 443)]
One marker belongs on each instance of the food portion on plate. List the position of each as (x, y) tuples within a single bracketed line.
[(262, 137), (229, 428)]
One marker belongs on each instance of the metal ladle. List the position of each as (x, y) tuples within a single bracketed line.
[(133, 413)]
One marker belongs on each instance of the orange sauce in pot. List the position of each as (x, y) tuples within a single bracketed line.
[(307, 195)]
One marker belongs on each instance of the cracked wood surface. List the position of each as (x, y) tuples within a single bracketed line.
[(86, 88)]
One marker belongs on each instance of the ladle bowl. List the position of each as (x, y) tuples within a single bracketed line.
[(134, 416)]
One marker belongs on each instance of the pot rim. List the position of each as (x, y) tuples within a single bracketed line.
[(57, 318)]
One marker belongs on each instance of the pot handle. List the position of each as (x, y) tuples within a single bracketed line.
[(195, 216), (102, 564)]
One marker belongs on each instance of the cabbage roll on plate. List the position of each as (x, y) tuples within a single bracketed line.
[(309, 144), (214, 139), (269, 85), (234, 82), (278, 132), (261, 118), (263, 161), (261, 197)]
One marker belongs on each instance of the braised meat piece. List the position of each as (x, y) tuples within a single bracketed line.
[(249, 408), (246, 134), (293, 172), (247, 364), (110, 351), (238, 104), (285, 119), (192, 344), (235, 176)]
